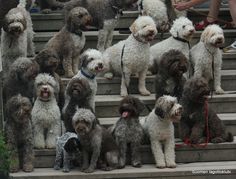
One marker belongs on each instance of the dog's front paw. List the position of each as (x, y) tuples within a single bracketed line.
[(137, 164), (217, 140), (89, 170), (121, 164), (66, 169), (46, 11), (145, 92), (56, 167), (69, 74), (28, 167), (219, 90), (171, 164), (161, 165), (108, 75), (123, 93)]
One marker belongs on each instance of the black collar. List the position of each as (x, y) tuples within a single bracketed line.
[(87, 75), (182, 40), (78, 32)]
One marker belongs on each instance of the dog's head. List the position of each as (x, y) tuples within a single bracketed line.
[(130, 107), (19, 108), (84, 121), (45, 86), (15, 22), (182, 28), (48, 61), (92, 61), (78, 19), (213, 35), (79, 89), (24, 70), (144, 29), (72, 145), (196, 90), (175, 63), (168, 108)]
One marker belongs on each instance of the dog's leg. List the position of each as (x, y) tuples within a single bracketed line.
[(158, 153), (142, 84), (59, 157), (112, 24), (135, 154), (66, 161), (217, 82), (28, 157), (52, 134), (75, 64), (30, 37), (67, 65), (125, 80), (102, 35), (112, 159), (170, 152), (85, 164), (196, 136), (94, 159), (122, 153), (184, 130), (39, 142)]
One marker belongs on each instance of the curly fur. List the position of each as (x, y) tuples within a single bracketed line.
[(46, 116), (98, 146), (105, 13), (68, 43), (78, 91), (17, 35), (160, 129), (205, 52), (18, 132), (136, 54), (47, 6), (20, 78), (182, 28), (193, 122), (128, 130), (170, 79)]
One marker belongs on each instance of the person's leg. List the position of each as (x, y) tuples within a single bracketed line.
[(232, 8), (214, 10)]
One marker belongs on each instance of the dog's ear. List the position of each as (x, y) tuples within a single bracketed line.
[(159, 112), (24, 22), (139, 104), (5, 24), (83, 60), (133, 28), (205, 35), (69, 23)]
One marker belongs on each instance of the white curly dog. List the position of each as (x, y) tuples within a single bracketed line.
[(132, 56), (181, 32), (158, 126), (206, 56), (46, 116)]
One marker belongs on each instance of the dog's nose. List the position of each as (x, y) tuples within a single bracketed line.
[(100, 65), (16, 28), (191, 30)]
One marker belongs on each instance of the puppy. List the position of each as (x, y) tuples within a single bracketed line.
[(131, 56), (68, 43), (159, 128), (67, 149), (78, 93), (97, 144), (169, 79), (46, 116), (193, 122), (128, 130), (206, 56), (18, 132), (105, 16)]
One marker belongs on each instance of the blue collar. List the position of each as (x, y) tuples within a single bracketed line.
[(90, 76)]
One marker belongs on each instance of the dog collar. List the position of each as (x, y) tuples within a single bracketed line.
[(87, 75), (182, 40)]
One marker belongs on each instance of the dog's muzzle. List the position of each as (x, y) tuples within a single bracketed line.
[(99, 67), (45, 93)]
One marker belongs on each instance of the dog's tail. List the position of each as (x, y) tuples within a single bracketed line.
[(22, 3), (229, 137)]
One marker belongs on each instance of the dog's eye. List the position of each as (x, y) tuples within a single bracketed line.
[(81, 15), (183, 26), (144, 26), (91, 59), (39, 84)]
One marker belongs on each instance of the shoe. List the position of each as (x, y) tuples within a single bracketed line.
[(230, 49), (203, 24), (229, 25)]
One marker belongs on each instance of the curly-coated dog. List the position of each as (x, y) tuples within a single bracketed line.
[(169, 79), (131, 56), (19, 134), (91, 64), (181, 32), (17, 35), (20, 79), (67, 149), (78, 92), (105, 13), (46, 115), (128, 130), (160, 129), (193, 123), (68, 43), (46, 6), (206, 56), (98, 146)]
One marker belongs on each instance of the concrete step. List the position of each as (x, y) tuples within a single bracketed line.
[(54, 21), (108, 87), (41, 38), (199, 170), (210, 153)]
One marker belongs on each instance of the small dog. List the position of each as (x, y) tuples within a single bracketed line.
[(68, 43), (67, 149), (193, 122), (17, 35), (128, 130), (46, 116), (105, 16), (20, 79), (78, 92), (169, 79), (207, 54), (133, 53), (159, 128), (98, 146), (91, 64), (18, 132)]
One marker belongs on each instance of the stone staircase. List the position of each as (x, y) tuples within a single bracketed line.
[(213, 161)]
